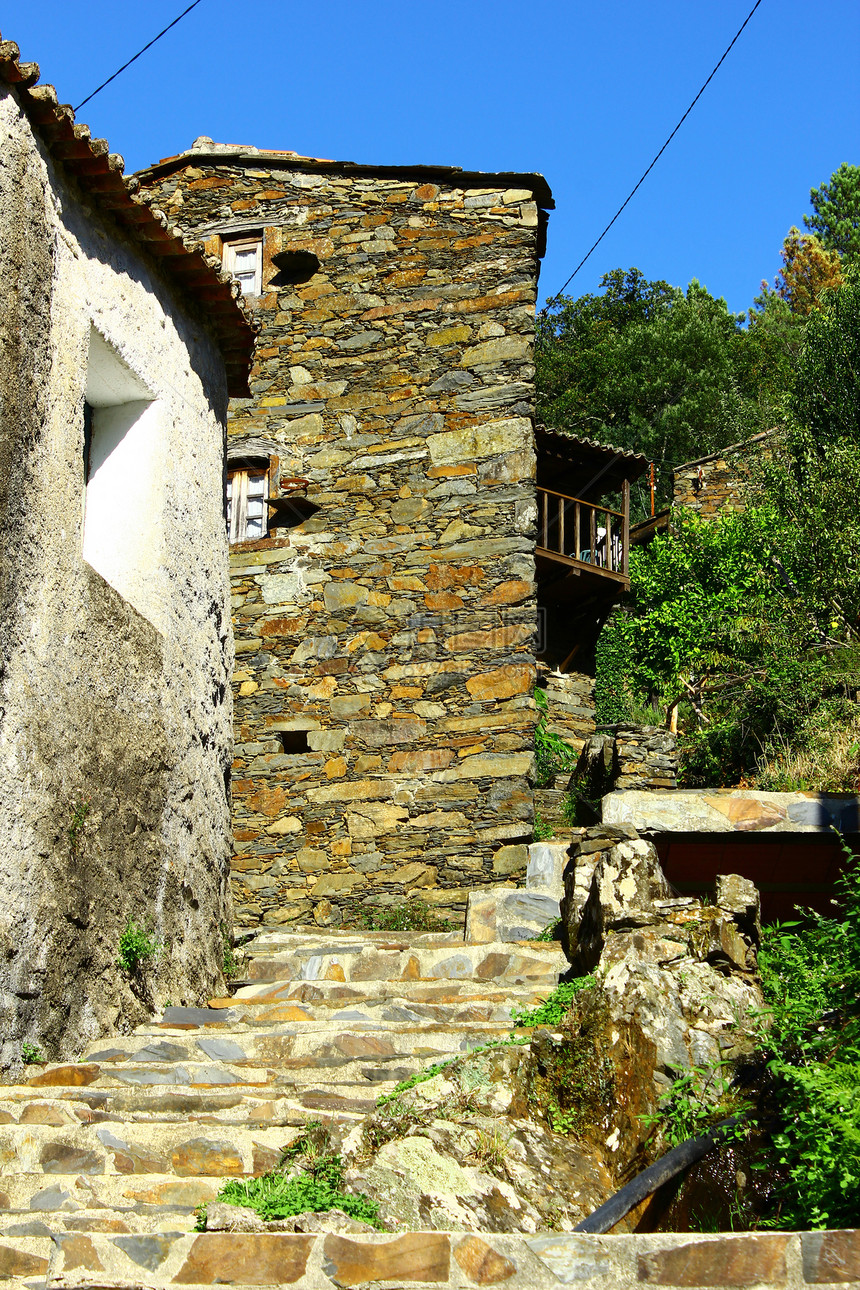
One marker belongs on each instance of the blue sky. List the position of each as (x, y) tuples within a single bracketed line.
[(584, 93)]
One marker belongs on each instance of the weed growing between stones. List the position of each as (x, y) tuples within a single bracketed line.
[(552, 931), (31, 1054), (541, 830), (308, 1180), (436, 1069), (137, 946), (552, 755), (411, 916), (570, 1079), (229, 963), (491, 1147), (553, 1009)]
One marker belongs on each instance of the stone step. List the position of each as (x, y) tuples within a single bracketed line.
[(210, 1150), (349, 937), (249, 1002), (262, 1107), (288, 1047), (446, 1260), (518, 964)]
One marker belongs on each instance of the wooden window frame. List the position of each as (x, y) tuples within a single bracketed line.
[(237, 468), (231, 246)]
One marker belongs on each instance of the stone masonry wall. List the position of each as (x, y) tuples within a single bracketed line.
[(570, 706), (715, 484), (394, 629)]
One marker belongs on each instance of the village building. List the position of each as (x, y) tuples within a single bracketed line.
[(119, 345), (384, 486)]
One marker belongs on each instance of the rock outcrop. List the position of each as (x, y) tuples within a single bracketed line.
[(676, 977)]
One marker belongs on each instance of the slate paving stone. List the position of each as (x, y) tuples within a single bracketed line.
[(197, 1016)]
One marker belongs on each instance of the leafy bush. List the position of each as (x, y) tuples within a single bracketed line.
[(811, 980), (136, 946), (31, 1054), (552, 755)]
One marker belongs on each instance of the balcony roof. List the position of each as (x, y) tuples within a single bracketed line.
[(583, 467)]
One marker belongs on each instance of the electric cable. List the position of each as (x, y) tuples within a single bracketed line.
[(137, 55), (634, 190)]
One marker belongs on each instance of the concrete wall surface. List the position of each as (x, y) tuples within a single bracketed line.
[(115, 709)]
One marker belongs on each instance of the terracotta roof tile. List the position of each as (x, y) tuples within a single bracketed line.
[(100, 173)]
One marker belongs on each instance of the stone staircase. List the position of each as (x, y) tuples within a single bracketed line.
[(103, 1161)]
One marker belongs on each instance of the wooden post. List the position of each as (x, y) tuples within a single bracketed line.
[(545, 502), (576, 542), (593, 532), (625, 524), (561, 505)]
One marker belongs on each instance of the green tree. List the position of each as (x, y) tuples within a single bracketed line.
[(836, 212), (826, 396), (648, 366)]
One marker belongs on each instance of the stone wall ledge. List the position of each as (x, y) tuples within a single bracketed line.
[(731, 810), (455, 1260)]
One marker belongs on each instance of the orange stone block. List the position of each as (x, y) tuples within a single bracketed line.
[(253, 1259), (334, 972), (429, 759), (508, 593), (482, 1264), (426, 193), (441, 576), (502, 682), (267, 801), (495, 638), (75, 1076), (443, 600), (417, 1256)]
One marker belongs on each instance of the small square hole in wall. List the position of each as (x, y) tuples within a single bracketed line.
[(293, 741)]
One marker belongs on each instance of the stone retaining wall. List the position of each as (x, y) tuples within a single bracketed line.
[(385, 644), (457, 1261), (645, 757)]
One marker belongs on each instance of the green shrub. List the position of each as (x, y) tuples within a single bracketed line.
[(137, 946), (275, 1195), (31, 1054), (811, 981), (552, 755)]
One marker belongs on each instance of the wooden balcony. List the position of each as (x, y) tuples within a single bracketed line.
[(583, 539)]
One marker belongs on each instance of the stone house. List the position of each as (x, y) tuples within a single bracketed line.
[(119, 346), (384, 480), (714, 484)]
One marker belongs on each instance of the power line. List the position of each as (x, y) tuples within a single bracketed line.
[(138, 54), (659, 154)]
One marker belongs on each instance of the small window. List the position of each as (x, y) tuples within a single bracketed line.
[(245, 261), (247, 503)]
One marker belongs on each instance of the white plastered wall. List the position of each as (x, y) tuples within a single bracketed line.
[(124, 513)]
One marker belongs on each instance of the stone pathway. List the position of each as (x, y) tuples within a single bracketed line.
[(103, 1161)]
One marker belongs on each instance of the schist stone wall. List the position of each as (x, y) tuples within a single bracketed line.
[(394, 629), (714, 485), (114, 694)]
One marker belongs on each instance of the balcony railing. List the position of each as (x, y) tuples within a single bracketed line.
[(579, 532)]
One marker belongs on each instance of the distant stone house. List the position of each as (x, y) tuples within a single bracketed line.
[(119, 345), (713, 485), (384, 484)]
